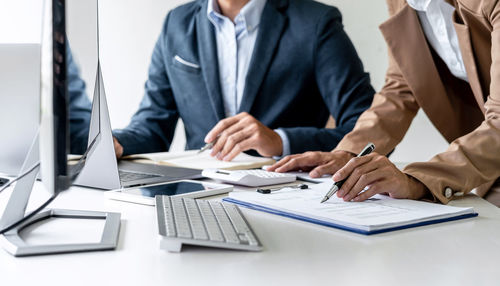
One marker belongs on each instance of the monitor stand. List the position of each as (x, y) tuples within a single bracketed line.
[(101, 167), (16, 208)]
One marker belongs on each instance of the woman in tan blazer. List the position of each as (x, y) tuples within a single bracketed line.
[(452, 72)]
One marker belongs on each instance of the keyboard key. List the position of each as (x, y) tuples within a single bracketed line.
[(181, 220), (213, 229), (195, 220), (169, 218), (224, 223)]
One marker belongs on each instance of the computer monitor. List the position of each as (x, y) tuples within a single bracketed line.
[(50, 151)]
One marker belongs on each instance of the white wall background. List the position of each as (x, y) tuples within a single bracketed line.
[(129, 29)]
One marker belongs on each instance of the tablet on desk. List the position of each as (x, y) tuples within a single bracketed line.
[(185, 188)]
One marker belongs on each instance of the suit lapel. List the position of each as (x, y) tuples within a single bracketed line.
[(408, 45), (271, 27), (464, 41), (207, 49)]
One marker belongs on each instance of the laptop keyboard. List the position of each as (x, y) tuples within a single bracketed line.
[(128, 176)]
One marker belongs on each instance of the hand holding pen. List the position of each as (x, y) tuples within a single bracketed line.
[(338, 184), (365, 176)]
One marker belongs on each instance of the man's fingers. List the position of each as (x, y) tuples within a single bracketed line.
[(221, 141), (231, 142), (297, 162), (279, 163), (221, 126), (325, 169), (238, 148)]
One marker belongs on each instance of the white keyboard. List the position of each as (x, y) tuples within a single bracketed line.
[(204, 223), (250, 178)]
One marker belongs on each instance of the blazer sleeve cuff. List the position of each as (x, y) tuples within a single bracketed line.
[(128, 141), (438, 189), (285, 141)]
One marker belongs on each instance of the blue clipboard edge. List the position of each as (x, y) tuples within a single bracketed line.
[(355, 230)]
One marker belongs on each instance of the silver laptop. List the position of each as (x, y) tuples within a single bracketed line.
[(19, 102)]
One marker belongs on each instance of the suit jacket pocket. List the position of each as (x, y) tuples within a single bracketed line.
[(185, 65)]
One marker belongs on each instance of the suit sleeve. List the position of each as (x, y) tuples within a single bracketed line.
[(474, 159), (387, 120), (393, 108), (79, 107), (152, 127), (343, 84)]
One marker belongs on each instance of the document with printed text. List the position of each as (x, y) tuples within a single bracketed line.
[(372, 216)]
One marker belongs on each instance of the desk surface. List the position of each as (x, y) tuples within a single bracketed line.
[(296, 253)]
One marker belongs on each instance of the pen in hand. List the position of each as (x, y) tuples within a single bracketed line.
[(337, 185), (208, 145)]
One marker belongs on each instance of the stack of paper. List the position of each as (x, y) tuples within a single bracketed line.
[(376, 215), (191, 159)]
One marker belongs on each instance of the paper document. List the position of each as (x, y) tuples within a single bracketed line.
[(191, 159), (379, 212)]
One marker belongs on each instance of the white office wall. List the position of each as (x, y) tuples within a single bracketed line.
[(129, 29)]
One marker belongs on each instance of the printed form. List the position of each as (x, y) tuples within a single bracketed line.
[(378, 212)]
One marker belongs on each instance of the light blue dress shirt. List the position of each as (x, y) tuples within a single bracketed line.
[(235, 44)]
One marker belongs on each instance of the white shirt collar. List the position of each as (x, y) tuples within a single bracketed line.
[(250, 14), (419, 5)]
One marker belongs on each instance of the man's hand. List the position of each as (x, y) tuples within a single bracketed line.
[(118, 148), (319, 163), (240, 133), (378, 175)]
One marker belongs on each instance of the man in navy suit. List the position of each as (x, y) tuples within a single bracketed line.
[(250, 75)]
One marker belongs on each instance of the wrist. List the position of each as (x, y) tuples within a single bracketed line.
[(416, 188)]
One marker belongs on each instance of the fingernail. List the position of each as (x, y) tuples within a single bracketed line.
[(340, 193), (356, 199), (336, 177), (314, 174), (226, 158)]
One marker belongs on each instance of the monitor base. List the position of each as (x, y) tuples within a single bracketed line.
[(15, 245)]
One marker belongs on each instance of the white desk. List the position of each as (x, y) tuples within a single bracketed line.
[(464, 252)]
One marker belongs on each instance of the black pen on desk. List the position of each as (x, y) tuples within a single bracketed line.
[(336, 186)]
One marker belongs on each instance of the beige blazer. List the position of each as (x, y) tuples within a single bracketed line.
[(466, 114)]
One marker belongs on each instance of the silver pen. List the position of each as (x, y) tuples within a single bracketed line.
[(336, 186), (208, 145)]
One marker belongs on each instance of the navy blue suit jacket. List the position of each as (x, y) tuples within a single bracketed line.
[(303, 68)]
